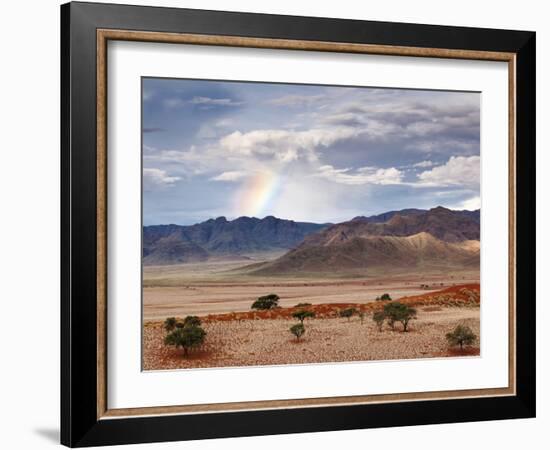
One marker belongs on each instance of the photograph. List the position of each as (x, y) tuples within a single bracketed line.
[(279, 223), (301, 224)]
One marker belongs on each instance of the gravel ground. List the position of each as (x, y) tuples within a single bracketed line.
[(269, 342)]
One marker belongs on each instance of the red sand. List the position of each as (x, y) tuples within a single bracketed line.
[(459, 295)]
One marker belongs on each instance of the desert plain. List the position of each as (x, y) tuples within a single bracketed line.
[(221, 295)]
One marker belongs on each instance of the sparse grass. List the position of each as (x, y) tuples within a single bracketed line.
[(259, 342), (432, 309)]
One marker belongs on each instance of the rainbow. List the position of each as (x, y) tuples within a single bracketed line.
[(257, 194)]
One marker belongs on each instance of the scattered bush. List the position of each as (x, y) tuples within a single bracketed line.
[(399, 312), (192, 321), (302, 305), (266, 302), (379, 317), (298, 330), (407, 315), (186, 337), (348, 313), (385, 297), (361, 315), (303, 314), (186, 334), (170, 323), (390, 314), (462, 335)]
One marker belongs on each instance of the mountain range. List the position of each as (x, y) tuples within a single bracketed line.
[(442, 223), (173, 244), (435, 238), (407, 238), (384, 217)]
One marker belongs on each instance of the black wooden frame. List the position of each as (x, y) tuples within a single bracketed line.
[(79, 423)]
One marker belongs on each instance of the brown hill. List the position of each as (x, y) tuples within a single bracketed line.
[(342, 252), (433, 239), (442, 223)]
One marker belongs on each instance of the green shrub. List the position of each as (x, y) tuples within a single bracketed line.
[(399, 312), (192, 321), (302, 305), (303, 314), (298, 330), (266, 302), (170, 323), (390, 313), (385, 297), (379, 317), (186, 337), (348, 313), (461, 335)]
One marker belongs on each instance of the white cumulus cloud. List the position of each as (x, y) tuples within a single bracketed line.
[(284, 145), (233, 175), (157, 178), (363, 175), (458, 171), (470, 204)]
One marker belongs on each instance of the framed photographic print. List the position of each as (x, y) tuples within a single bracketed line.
[(277, 224)]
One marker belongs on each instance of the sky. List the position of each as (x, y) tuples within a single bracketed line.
[(304, 152)]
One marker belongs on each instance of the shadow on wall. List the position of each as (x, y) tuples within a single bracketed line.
[(49, 434)]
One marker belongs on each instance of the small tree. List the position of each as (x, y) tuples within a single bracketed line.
[(192, 321), (298, 330), (186, 337), (385, 297), (170, 324), (266, 302), (303, 314), (379, 318), (408, 313), (399, 312), (391, 313), (348, 313), (462, 335)]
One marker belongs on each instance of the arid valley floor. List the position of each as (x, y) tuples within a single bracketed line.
[(239, 336)]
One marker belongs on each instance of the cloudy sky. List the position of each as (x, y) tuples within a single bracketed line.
[(304, 152)]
